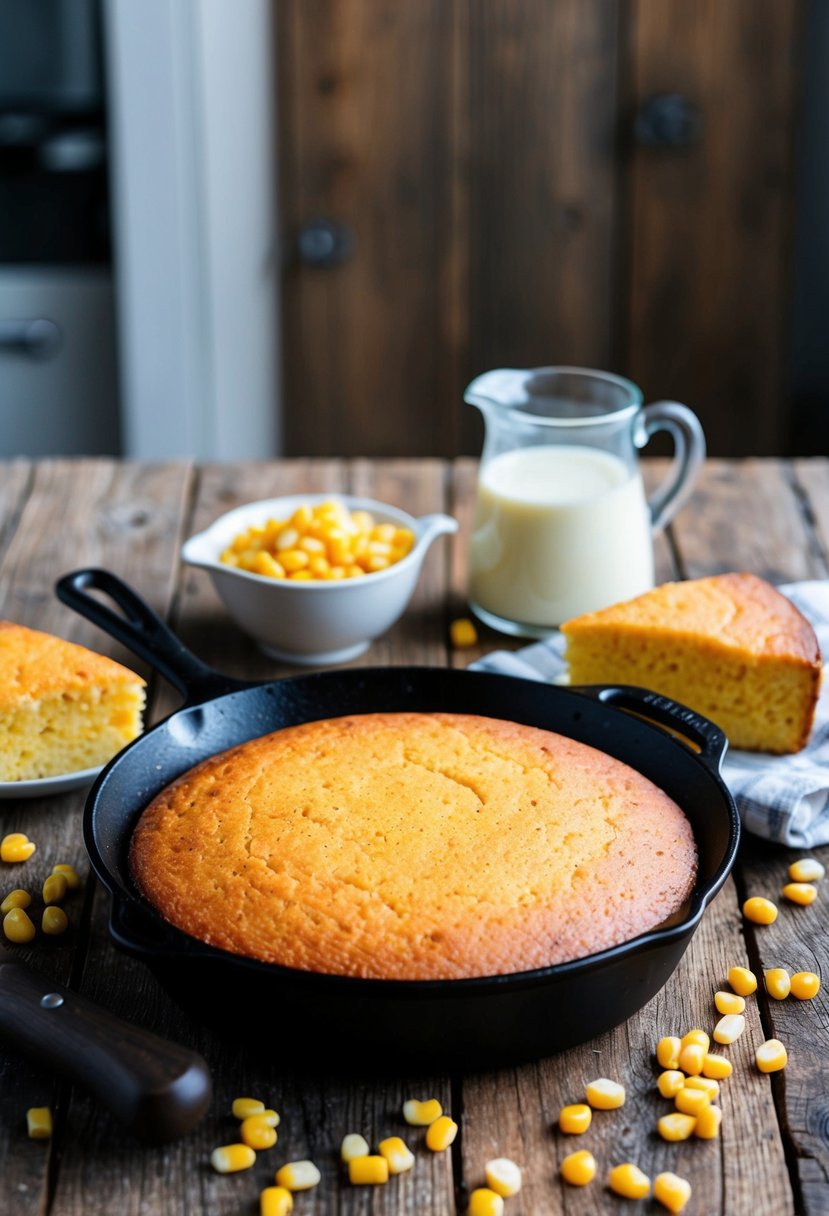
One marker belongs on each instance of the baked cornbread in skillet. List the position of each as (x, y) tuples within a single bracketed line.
[(730, 646), (414, 846)]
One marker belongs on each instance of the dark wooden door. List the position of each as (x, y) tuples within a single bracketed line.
[(468, 184)]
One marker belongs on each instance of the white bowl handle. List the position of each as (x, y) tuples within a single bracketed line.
[(430, 527)]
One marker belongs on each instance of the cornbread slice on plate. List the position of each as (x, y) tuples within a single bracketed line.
[(730, 647), (63, 708)]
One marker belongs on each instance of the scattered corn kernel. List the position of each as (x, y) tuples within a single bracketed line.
[(805, 985), (729, 1028), (707, 1084), (421, 1114), (275, 1201), (270, 1117), (760, 911), (54, 889), (696, 1036), (771, 1056), (485, 1202), (463, 633), (729, 1002), (806, 870), (778, 983), (441, 1133), (691, 1057), (503, 1176), (15, 899), (39, 1122), (575, 1119), (578, 1168), (257, 1132), (69, 873), (231, 1158), (743, 981), (691, 1101), (368, 1171), (667, 1051), (16, 847), (708, 1123), (676, 1126), (670, 1082), (628, 1181), (353, 1145), (54, 921), (243, 1108), (802, 893), (671, 1191), (298, 1176), (603, 1094), (397, 1153), (717, 1067), (17, 926)]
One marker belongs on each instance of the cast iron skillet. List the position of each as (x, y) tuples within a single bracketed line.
[(462, 1023)]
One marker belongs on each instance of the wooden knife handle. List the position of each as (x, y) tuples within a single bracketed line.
[(157, 1089)]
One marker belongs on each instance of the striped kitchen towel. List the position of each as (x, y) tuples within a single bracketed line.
[(783, 798)]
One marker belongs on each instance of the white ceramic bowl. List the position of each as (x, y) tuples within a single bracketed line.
[(313, 622)]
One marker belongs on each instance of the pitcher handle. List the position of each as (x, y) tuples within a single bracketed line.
[(689, 452)]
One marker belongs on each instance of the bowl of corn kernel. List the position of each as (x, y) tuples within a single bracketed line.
[(315, 578)]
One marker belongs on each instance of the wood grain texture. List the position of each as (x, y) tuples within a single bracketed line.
[(707, 253)]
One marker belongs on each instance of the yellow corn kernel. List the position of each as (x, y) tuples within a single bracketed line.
[(69, 873), (462, 633), (377, 548), (575, 1119), (312, 545), (301, 576), (691, 1101), (39, 1122), (286, 540), (275, 1201), (676, 1126), (362, 520), (404, 539), (670, 1082), (503, 1176), (270, 1117), (717, 1067), (54, 921), (760, 911), (15, 899), (421, 1114), (302, 517), (368, 1171), (385, 533), (257, 1132), (336, 573), (578, 1168), (805, 985), (375, 564), (485, 1202), (298, 1176), (708, 1123), (243, 1108), (802, 893), (667, 1051), (729, 1028), (353, 1145), (441, 1133), (17, 926), (266, 565), (397, 1153), (691, 1057), (696, 1036), (708, 1085), (354, 572), (743, 981), (771, 1056), (628, 1181), (778, 983), (729, 1002), (671, 1191), (293, 560), (231, 1158), (603, 1094), (319, 566), (340, 553), (16, 847), (54, 889), (808, 869)]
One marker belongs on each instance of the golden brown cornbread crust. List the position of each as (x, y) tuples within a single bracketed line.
[(414, 846), (34, 664)]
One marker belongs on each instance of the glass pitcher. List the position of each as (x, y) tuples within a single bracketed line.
[(562, 525)]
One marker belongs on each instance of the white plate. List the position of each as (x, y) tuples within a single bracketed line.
[(46, 787)]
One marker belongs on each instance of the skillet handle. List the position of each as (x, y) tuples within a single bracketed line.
[(701, 732), (143, 632)]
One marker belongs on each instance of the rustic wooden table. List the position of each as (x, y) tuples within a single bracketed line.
[(773, 1156)]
